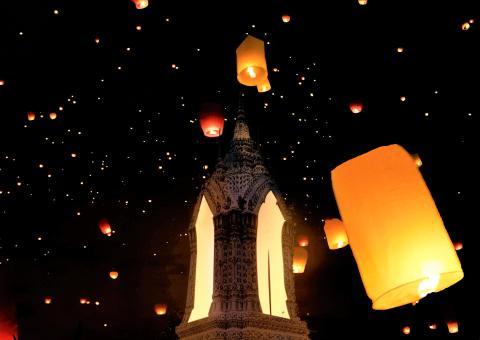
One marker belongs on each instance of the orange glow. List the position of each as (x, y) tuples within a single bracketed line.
[(356, 107), (286, 18), (264, 86), (2, 82), (417, 159), (31, 116), (270, 268), (465, 26), (212, 120), (432, 326), (105, 227), (83, 301), (48, 300), (251, 62), (302, 240), (113, 275), (140, 4), (406, 330), (336, 234), (160, 309), (362, 2), (300, 257), (452, 327), (396, 234), (400, 49), (204, 232), (458, 245), (403, 98), (53, 115)]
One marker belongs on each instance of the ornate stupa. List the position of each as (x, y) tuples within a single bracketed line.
[(241, 283)]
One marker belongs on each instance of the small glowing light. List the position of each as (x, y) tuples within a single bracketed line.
[(251, 72), (452, 327), (2, 82), (113, 275), (138, 28), (286, 18), (432, 326), (97, 41), (73, 155), (97, 303), (362, 2), (105, 325), (403, 98), (48, 300), (471, 21), (53, 115), (458, 245), (83, 301), (19, 184), (400, 49), (56, 12), (406, 330), (428, 285), (465, 26), (40, 166)]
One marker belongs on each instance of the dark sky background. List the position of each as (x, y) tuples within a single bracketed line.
[(131, 119)]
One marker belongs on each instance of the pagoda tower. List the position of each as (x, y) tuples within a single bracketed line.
[(241, 283)]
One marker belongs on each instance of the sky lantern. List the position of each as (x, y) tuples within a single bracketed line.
[(31, 116), (406, 330), (83, 301), (302, 240), (362, 2), (140, 4), (48, 300), (264, 86), (336, 234), (160, 309), (300, 257), (212, 120), (53, 115), (452, 327), (113, 275), (417, 159), (397, 236), (2, 82), (356, 107), (105, 227), (465, 26), (458, 245), (286, 18), (251, 62)]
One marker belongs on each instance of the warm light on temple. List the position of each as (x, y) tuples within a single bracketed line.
[(251, 62), (395, 231), (336, 234)]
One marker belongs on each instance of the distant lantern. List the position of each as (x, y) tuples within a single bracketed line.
[(417, 159), (406, 330), (140, 4), (31, 116), (47, 300), (286, 18), (105, 227), (212, 120), (2, 82), (264, 86), (336, 234), (302, 240), (356, 107), (113, 275), (465, 26), (83, 301), (251, 62), (458, 245), (300, 257), (400, 49), (362, 2), (395, 231), (452, 327), (160, 309), (403, 98), (432, 326), (53, 115)]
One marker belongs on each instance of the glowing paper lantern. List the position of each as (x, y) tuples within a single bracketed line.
[(432, 326), (48, 300), (465, 26), (140, 4), (362, 2), (53, 115), (113, 275), (336, 234), (105, 227), (396, 234), (458, 245), (212, 120), (300, 257), (2, 82), (83, 301), (302, 241), (160, 309), (251, 62), (286, 18), (452, 327), (406, 330), (356, 107), (417, 159), (264, 86), (31, 116)]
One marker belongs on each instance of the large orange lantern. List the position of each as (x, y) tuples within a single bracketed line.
[(395, 231), (356, 107), (212, 120), (264, 86), (140, 4), (452, 327), (31, 116), (336, 234), (300, 257), (160, 309), (251, 62), (105, 227), (302, 240)]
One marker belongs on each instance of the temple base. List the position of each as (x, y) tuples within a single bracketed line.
[(252, 326)]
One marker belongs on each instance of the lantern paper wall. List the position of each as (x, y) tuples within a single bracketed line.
[(264, 86), (300, 257), (396, 234), (336, 234), (105, 227), (251, 62), (212, 120), (160, 309), (140, 4), (452, 327)]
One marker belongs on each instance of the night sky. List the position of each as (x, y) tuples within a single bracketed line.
[(126, 86)]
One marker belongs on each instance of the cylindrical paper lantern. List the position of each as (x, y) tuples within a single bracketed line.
[(395, 231), (31, 116), (300, 257), (53, 115), (452, 327), (251, 62), (336, 234), (264, 86), (160, 309), (286, 18), (212, 120), (105, 227)]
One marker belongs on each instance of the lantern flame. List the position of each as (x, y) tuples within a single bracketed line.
[(428, 285), (251, 72)]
